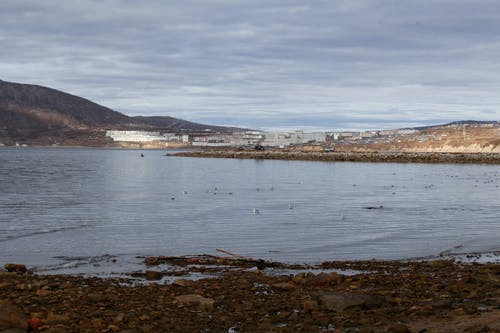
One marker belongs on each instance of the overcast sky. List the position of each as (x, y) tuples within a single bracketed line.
[(264, 63)]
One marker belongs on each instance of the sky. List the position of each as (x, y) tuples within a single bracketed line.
[(264, 64)]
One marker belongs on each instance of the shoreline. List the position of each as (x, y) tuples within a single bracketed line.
[(348, 156), (376, 296)]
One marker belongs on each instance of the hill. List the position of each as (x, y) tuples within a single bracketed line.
[(457, 123), (469, 136), (40, 115), (180, 124)]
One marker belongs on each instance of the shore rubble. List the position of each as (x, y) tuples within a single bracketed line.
[(349, 156), (245, 296)]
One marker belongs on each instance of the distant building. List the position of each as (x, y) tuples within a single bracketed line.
[(134, 136), (280, 139), (141, 136)]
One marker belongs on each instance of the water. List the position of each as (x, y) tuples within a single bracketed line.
[(92, 207)]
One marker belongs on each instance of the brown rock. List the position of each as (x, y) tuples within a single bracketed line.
[(153, 275), (97, 298), (119, 318), (43, 292), (53, 318), (309, 305), (152, 261), (4, 285), (11, 317), (182, 282), (56, 329), (96, 322), (18, 268), (288, 286), (112, 328), (398, 328), (195, 300), (299, 278), (7, 276), (339, 302), (324, 279), (366, 330)]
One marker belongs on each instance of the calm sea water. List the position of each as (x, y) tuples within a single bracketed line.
[(58, 206)]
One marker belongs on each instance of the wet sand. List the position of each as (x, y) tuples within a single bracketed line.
[(348, 156), (377, 296)]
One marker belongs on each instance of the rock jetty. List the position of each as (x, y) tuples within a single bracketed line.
[(349, 156)]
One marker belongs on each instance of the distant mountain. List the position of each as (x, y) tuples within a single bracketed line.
[(29, 107), (27, 110), (179, 124)]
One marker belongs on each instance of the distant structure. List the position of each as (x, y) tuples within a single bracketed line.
[(278, 139), (141, 136)]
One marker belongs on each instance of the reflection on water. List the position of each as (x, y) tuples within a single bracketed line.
[(91, 202)]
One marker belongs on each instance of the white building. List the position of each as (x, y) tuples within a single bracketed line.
[(141, 136), (279, 139)]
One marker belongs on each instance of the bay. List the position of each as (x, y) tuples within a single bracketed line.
[(59, 205)]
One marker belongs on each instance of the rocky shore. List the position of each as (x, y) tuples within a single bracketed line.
[(248, 296), (349, 156)]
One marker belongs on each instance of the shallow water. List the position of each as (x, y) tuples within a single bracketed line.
[(69, 207)]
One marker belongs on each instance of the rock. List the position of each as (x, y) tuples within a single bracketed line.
[(398, 328), (97, 298), (152, 261), (18, 268), (34, 323), (96, 322), (195, 300), (43, 292), (366, 330), (119, 318), (339, 302), (182, 282), (287, 286), (57, 318), (7, 275), (111, 328), (309, 305), (153, 275), (324, 279), (56, 329), (299, 278), (12, 317)]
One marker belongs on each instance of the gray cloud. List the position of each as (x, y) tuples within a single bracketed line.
[(329, 64)]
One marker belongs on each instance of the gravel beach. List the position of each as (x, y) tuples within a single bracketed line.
[(381, 296)]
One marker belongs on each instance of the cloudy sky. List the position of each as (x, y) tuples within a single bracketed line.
[(319, 64)]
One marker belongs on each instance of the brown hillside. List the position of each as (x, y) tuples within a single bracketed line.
[(40, 115)]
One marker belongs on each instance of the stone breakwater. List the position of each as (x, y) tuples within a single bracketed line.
[(386, 157), (420, 296)]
